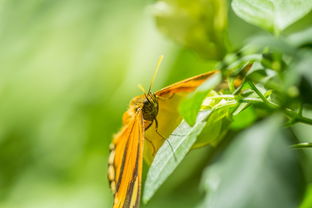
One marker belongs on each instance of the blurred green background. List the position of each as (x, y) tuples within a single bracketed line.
[(68, 71)]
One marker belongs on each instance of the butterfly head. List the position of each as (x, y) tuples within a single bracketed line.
[(150, 107)]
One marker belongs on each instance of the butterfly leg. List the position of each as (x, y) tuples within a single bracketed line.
[(148, 140), (148, 125), (166, 140), (154, 148)]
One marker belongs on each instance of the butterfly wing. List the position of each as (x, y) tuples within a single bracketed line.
[(125, 163), (168, 116), (184, 86)]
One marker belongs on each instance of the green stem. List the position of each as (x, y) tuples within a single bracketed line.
[(300, 109), (294, 115), (302, 145), (297, 117), (264, 99)]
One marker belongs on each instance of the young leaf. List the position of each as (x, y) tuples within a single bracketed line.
[(190, 107), (258, 170), (171, 153), (273, 16)]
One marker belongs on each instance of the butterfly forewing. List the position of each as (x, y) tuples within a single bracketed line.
[(185, 86), (125, 165)]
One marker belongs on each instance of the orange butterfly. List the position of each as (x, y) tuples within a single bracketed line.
[(141, 130)]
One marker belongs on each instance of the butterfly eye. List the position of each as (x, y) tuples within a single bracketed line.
[(146, 102)]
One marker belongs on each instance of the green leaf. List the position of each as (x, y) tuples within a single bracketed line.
[(273, 16), (167, 159), (307, 202), (216, 127), (301, 38), (199, 25), (258, 170), (302, 145), (274, 44), (303, 66), (190, 107), (244, 118)]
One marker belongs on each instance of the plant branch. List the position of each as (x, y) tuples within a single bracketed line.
[(295, 116)]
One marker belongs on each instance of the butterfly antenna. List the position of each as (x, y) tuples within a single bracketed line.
[(141, 88), (155, 73), (144, 91)]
